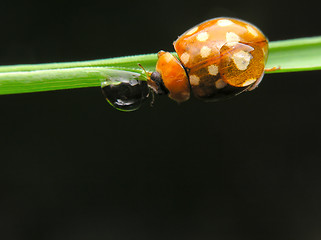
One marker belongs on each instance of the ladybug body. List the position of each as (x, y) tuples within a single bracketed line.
[(174, 76), (217, 59)]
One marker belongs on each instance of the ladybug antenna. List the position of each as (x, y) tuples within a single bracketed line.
[(144, 70)]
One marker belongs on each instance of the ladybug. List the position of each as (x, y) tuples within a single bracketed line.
[(217, 59)]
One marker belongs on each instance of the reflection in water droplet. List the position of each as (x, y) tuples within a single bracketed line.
[(125, 93)]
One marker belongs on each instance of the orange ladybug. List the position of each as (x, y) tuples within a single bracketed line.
[(217, 59)]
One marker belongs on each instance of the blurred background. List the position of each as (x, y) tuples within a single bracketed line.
[(72, 167)]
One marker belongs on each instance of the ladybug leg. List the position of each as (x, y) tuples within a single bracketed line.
[(255, 84), (153, 98), (155, 82), (272, 69)]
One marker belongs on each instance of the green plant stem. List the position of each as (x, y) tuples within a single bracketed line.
[(126, 63), (302, 54), (295, 55), (54, 79)]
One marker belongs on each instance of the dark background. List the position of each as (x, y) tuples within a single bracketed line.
[(72, 167)]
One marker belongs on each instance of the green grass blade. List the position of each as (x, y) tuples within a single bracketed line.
[(128, 62), (56, 79), (301, 54)]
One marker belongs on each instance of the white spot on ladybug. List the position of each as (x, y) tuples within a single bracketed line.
[(185, 57), (219, 84), (202, 37), (248, 82), (205, 51), (224, 23), (232, 39), (213, 70), (242, 59), (191, 31), (194, 80), (251, 30)]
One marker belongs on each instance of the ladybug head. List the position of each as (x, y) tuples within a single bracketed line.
[(156, 83)]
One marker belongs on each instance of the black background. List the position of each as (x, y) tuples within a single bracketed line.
[(72, 167)]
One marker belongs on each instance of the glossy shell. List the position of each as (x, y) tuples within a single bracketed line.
[(174, 76), (223, 57)]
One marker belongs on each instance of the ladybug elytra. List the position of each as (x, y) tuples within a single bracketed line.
[(217, 59)]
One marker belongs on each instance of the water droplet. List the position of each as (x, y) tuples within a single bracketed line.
[(125, 93)]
